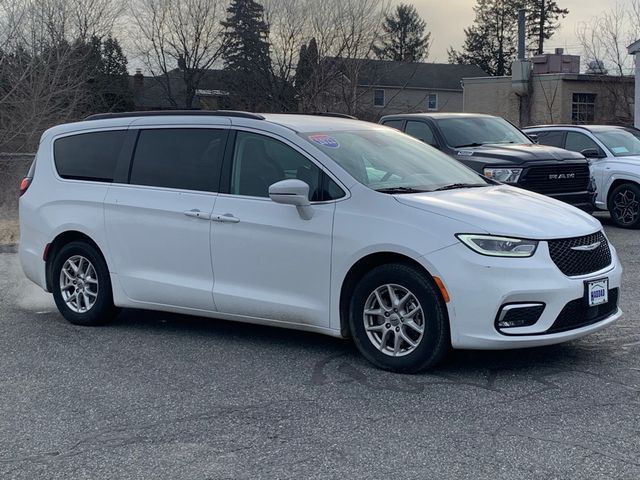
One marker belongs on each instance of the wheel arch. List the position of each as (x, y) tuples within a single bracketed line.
[(365, 264), (616, 183), (60, 241)]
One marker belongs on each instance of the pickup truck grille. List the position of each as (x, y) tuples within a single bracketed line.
[(556, 178)]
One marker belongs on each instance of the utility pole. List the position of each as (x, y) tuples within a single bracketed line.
[(541, 26)]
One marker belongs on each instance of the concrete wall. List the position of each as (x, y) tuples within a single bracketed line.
[(13, 167), (551, 98)]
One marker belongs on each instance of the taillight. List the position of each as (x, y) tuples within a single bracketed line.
[(24, 184)]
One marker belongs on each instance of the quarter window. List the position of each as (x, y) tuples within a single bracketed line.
[(260, 161), (185, 158), (432, 101), (583, 108), (397, 124), (378, 98), (88, 156)]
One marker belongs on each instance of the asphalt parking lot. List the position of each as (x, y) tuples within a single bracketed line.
[(164, 396)]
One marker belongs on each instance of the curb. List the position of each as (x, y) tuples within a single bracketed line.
[(10, 248)]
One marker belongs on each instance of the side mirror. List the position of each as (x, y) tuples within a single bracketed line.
[(591, 153), (292, 192)]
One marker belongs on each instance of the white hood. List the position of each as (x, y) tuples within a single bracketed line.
[(505, 210)]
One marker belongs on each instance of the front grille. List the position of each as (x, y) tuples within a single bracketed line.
[(577, 314), (556, 178), (580, 262)]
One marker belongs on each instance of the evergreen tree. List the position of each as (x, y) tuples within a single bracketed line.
[(247, 53), (307, 63), (542, 21), (107, 77), (404, 37), (491, 42)]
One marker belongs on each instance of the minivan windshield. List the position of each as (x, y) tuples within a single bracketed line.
[(392, 162), (620, 142), (462, 132)]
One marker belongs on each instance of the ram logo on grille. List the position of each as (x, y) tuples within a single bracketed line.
[(561, 176), (586, 248)]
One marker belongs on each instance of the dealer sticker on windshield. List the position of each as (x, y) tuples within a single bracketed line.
[(325, 141), (597, 291)]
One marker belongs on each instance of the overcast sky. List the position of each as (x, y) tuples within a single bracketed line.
[(447, 19)]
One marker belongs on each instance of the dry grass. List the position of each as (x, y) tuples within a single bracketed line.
[(9, 232)]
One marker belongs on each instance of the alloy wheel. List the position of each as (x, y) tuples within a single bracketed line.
[(394, 320), (78, 284), (626, 207)]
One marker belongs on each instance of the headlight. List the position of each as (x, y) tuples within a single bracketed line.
[(499, 246), (506, 175)]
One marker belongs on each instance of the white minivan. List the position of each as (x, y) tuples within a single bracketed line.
[(319, 223)]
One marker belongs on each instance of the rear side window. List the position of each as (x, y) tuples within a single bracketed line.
[(552, 138), (421, 131), (185, 158), (397, 124), (88, 156)]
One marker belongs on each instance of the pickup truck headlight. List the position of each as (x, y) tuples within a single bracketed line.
[(498, 246), (506, 175)]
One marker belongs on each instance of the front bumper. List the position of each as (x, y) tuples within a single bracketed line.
[(479, 285), (582, 200)]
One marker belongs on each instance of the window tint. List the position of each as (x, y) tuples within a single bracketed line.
[(187, 158), (579, 141), (421, 131), (553, 139), (88, 156), (259, 162), (397, 124)]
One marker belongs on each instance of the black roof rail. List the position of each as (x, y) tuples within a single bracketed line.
[(326, 114), (160, 113)]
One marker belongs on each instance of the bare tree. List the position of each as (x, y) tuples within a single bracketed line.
[(42, 66), (179, 40)]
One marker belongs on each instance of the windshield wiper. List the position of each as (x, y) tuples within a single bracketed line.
[(474, 144), (400, 190), (453, 186)]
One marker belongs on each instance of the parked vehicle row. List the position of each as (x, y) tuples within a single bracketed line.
[(496, 149), (614, 153), (330, 225)]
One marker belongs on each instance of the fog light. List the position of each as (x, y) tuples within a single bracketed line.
[(514, 315)]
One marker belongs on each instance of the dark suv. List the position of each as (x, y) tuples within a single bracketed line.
[(497, 149)]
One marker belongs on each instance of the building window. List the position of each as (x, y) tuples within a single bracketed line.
[(378, 98), (432, 101), (583, 108)]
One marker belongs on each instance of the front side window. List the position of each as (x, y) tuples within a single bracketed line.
[(577, 142), (89, 156), (462, 132), (384, 159), (583, 108), (432, 101), (260, 161), (378, 98), (184, 158)]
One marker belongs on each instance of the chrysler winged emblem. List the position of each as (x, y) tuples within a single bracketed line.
[(586, 248)]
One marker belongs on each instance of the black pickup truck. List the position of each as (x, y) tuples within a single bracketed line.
[(496, 149)]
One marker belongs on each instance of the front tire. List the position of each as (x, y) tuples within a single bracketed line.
[(398, 319), (81, 285), (624, 205)]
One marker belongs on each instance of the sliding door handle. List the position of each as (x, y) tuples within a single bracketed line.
[(226, 218), (195, 213)]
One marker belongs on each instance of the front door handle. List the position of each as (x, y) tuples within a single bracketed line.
[(195, 213), (226, 218)]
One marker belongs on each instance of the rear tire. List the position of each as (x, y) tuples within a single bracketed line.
[(82, 286), (624, 205), (399, 320)]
